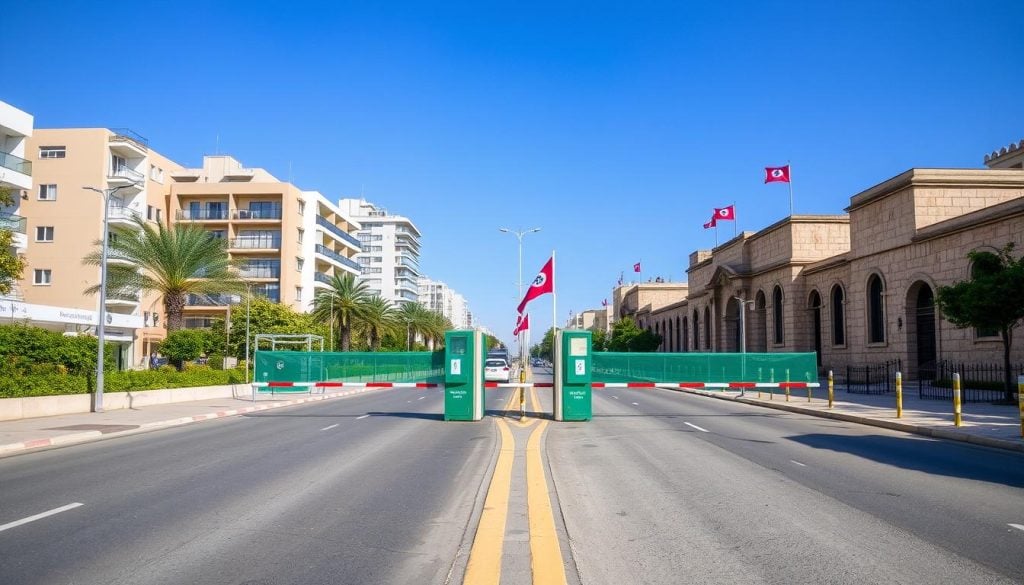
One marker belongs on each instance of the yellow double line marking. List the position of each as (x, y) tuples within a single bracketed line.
[(485, 557)]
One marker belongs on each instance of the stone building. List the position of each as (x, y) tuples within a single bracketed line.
[(857, 288)]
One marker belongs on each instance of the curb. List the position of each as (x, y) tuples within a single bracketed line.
[(885, 424), (85, 436)]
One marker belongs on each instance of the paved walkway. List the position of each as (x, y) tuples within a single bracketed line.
[(984, 424)]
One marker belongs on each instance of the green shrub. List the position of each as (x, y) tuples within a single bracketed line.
[(49, 384), (186, 345), (23, 347)]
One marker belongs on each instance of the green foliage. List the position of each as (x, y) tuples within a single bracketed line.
[(628, 336), (23, 348), (186, 345), (344, 303), (50, 384), (265, 316), (992, 299), (600, 340), (544, 348), (11, 264)]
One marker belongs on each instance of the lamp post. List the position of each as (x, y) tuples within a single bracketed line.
[(248, 303), (743, 338), (97, 404), (519, 236)]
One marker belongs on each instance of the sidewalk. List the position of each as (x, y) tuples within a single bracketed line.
[(982, 423), (17, 436)]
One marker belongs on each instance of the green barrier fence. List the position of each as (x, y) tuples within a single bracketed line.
[(315, 366), (704, 367)]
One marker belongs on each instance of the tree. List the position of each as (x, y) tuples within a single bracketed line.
[(416, 319), (378, 319), (265, 316), (628, 336), (344, 303), (599, 340), (544, 349), (993, 299), (186, 345), (11, 263), (175, 262)]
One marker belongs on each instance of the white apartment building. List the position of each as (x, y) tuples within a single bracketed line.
[(390, 257), (438, 296), (15, 175)]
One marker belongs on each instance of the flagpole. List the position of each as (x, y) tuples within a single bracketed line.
[(734, 218), (554, 303), (716, 233), (790, 169)]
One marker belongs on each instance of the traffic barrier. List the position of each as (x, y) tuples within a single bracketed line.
[(704, 385)]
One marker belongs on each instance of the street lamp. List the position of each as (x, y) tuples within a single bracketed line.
[(519, 236), (97, 405), (743, 338)]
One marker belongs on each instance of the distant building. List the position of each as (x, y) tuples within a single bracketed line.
[(390, 254), (438, 297)]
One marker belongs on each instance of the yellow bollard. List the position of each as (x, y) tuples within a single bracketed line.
[(831, 389), (899, 395), (957, 419), (787, 384), (1020, 402), (522, 396)]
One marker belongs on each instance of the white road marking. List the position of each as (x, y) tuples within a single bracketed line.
[(328, 428), (696, 427), (17, 523), (1017, 526), (364, 416), (798, 463), (635, 404), (615, 397), (420, 398)]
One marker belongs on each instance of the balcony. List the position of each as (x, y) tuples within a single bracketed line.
[(321, 278), (271, 292), (122, 174), (122, 299), (256, 243), (345, 237), (13, 223), (201, 215), (16, 164), (249, 271), (210, 300), (338, 258), (258, 214), (123, 216), (198, 322), (127, 140)]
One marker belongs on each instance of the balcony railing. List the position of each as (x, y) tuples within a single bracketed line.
[(123, 172), (210, 300), (17, 164), (126, 135), (13, 223), (119, 212), (200, 214), (338, 231), (257, 214), (261, 271), (198, 322), (257, 243), (322, 277), (122, 296), (321, 249), (269, 293)]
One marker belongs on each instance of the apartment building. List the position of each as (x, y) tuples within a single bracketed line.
[(291, 242), (439, 297), (65, 220), (16, 179), (391, 251)]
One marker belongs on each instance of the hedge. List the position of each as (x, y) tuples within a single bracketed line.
[(50, 384)]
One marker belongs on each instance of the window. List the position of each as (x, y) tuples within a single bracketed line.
[(372, 270), (838, 316), (298, 293), (118, 164), (44, 233), (707, 328), (373, 248), (876, 311), (145, 318), (778, 319), (299, 263), (156, 319), (264, 210), (156, 173), (301, 233), (41, 276), (696, 331), (302, 208), (153, 213), (47, 192), (52, 151)]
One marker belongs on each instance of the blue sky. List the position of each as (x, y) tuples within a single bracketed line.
[(616, 127)]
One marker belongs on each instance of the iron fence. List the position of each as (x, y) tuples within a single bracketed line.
[(873, 378), (978, 382)]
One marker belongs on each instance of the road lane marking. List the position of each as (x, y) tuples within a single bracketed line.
[(1017, 526), (798, 463), (40, 516), (615, 397), (329, 428), (696, 427), (635, 404), (484, 565), (420, 398), (545, 553), (364, 416)]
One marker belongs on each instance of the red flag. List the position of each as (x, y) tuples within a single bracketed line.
[(604, 303), (636, 267), (621, 278), (543, 284), (725, 213), (712, 223), (522, 324), (776, 174)]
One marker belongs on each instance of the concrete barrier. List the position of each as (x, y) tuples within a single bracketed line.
[(38, 406)]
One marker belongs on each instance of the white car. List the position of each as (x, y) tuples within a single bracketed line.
[(496, 370)]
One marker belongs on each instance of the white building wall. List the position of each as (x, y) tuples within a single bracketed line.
[(390, 256)]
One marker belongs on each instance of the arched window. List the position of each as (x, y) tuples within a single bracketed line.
[(778, 319), (696, 330), (686, 334), (876, 310), (679, 336), (707, 328), (671, 336), (838, 316)]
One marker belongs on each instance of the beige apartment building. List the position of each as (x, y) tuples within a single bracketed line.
[(290, 242), (65, 222), (857, 288)]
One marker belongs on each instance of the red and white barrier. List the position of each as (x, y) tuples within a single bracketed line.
[(324, 385), (706, 385), (518, 385)]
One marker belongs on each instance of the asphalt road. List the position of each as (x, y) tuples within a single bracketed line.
[(666, 487), (312, 494)]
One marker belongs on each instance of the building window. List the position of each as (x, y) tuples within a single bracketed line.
[(47, 192), (44, 233), (301, 234), (778, 319), (52, 151), (838, 316), (696, 330), (707, 328), (302, 208), (876, 310), (145, 319), (298, 293), (156, 173), (41, 276), (299, 263)]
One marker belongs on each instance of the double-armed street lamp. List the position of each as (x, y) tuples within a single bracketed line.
[(97, 405), (519, 236)]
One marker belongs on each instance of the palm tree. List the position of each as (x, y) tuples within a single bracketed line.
[(378, 319), (436, 325), (344, 303), (416, 319), (175, 261)]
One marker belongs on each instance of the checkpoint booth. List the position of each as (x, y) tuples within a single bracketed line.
[(573, 374), (464, 375)]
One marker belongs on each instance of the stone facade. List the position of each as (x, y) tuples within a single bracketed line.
[(856, 288)]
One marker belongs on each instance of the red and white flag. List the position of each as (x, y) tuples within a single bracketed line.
[(725, 213), (712, 223), (604, 303), (776, 174), (636, 267), (543, 284), (522, 324)]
